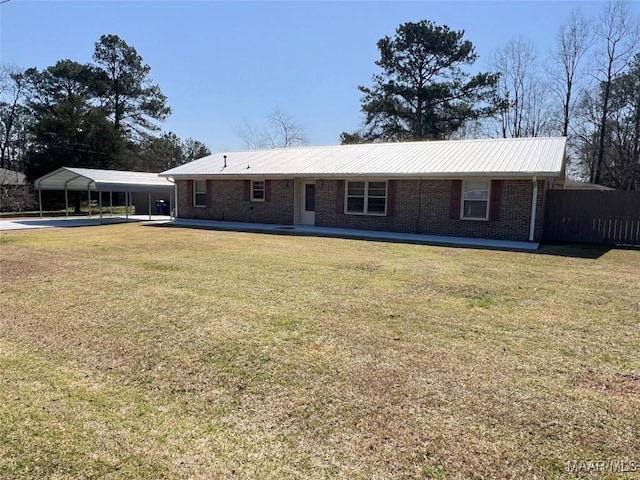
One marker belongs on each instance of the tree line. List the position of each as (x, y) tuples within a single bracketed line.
[(105, 114), (102, 114), (587, 89)]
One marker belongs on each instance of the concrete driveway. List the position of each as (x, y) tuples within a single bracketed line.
[(67, 222)]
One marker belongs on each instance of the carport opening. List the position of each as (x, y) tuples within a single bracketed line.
[(147, 193)]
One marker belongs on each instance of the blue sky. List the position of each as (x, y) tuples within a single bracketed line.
[(222, 63)]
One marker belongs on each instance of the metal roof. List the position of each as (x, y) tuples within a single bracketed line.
[(495, 157), (570, 184), (102, 180)]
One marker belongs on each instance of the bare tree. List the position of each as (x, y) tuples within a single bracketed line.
[(618, 33), (283, 131), (252, 137), (280, 131), (13, 89), (572, 43), (522, 103)]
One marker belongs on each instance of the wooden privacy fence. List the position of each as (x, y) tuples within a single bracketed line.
[(595, 216)]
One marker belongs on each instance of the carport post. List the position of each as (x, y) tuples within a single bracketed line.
[(100, 204), (149, 205), (66, 201), (126, 205), (40, 200), (111, 204)]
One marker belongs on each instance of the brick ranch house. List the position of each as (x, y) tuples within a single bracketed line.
[(491, 189)]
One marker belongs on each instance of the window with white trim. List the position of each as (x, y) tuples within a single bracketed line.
[(366, 198), (199, 193), (257, 190), (475, 200)]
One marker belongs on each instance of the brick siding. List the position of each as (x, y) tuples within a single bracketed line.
[(421, 206), (226, 202)]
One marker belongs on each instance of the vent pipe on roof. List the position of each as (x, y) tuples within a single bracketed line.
[(225, 161)]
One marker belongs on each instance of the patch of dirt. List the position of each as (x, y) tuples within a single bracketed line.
[(623, 384), (20, 265), (11, 270)]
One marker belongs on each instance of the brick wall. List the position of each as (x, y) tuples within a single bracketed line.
[(420, 207), (423, 207), (226, 201)]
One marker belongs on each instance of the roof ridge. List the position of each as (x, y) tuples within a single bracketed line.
[(380, 144)]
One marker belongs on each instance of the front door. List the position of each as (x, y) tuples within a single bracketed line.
[(308, 207)]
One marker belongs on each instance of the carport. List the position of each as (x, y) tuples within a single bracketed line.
[(104, 181)]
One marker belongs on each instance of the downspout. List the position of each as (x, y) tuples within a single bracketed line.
[(534, 207), (175, 195)]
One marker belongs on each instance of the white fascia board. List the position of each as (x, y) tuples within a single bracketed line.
[(388, 175)]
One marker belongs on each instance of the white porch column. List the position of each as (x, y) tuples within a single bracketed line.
[(534, 206)]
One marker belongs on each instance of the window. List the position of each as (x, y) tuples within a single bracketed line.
[(475, 200), (368, 198), (257, 190), (199, 193)]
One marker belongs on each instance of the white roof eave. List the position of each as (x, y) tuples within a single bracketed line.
[(236, 176)]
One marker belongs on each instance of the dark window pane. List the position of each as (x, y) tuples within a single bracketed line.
[(355, 204), (201, 199), (377, 189), (310, 197), (356, 188), (376, 205), (475, 209)]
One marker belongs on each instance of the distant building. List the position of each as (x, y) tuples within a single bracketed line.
[(15, 191)]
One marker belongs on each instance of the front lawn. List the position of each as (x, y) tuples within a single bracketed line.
[(130, 351)]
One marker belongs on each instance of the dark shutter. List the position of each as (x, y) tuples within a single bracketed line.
[(209, 194), (496, 196), (247, 190), (340, 196), (190, 193), (391, 198), (267, 190), (455, 198)]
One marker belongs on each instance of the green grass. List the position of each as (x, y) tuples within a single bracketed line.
[(138, 352)]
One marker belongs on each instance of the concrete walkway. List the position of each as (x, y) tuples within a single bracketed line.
[(305, 230), (354, 234)]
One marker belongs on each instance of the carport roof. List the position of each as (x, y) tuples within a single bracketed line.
[(71, 178)]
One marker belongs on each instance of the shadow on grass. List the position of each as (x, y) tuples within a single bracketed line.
[(574, 250), (581, 250)]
